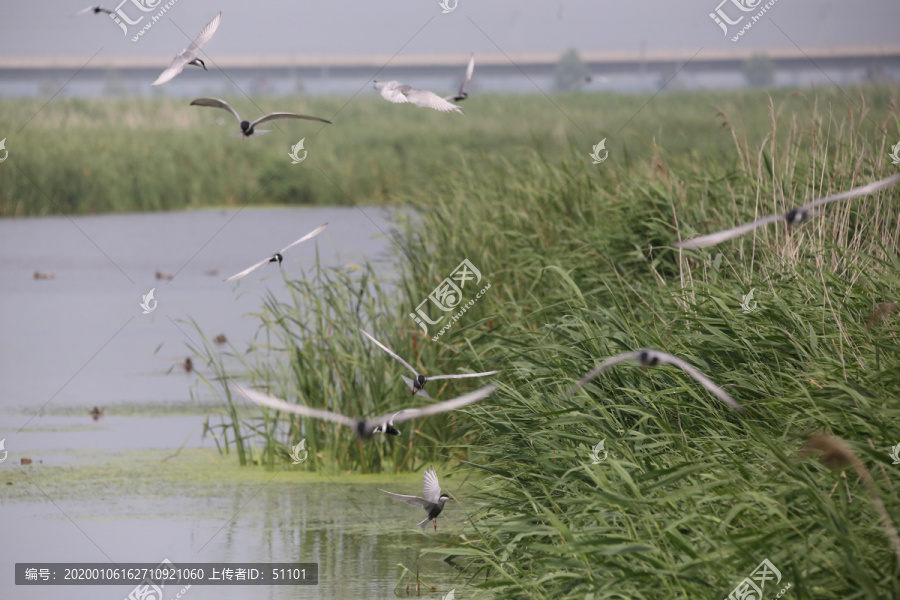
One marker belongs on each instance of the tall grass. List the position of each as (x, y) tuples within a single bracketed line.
[(310, 350), (692, 496), (151, 154)]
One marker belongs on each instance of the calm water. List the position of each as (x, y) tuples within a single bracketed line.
[(100, 490)]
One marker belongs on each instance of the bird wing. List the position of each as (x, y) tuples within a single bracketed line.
[(392, 91), (427, 99), (855, 192), (463, 375), (430, 486), (205, 35), (256, 133), (309, 235), (715, 238), (411, 500), (412, 386), (177, 66), (391, 352), (284, 115), (414, 413), (603, 367), (469, 70), (306, 411), (249, 270), (190, 53), (216, 103), (701, 378)]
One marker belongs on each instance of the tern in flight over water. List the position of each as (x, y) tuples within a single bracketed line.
[(462, 94), (793, 217), (94, 9), (433, 502), (418, 383), (398, 93), (278, 256), (188, 56), (366, 428), (652, 358), (248, 128)]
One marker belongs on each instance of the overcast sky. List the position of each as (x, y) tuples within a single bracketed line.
[(30, 28)]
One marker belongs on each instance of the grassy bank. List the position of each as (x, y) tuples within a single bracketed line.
[(692, 496), (150, 154)]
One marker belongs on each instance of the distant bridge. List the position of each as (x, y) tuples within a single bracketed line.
[(874, 60)]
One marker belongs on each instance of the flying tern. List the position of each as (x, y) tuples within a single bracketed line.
[(398, 93), (653, 358), (417, 384), (278, 256), (462, 94), (188, 56), (793, 217), (248, 128), (94, 9), (366, 428), (433, 502)]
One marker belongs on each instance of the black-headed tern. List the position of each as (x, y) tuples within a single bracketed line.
[(278, 256), (94, 9), (433, 502), (793, 217), (366, 428), (651, 358), (417, 384), (398, 93), (188, 56), (462, 94), (248, 128)]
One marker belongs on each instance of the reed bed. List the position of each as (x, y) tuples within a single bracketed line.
[(310, 350), (692, 497), (153, 154)]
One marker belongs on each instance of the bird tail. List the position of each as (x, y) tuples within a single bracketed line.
[(424, 523)]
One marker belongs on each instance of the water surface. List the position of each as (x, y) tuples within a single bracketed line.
[(142, 483)]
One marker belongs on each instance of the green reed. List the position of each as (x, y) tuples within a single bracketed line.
[(692, 496), (153, 154)]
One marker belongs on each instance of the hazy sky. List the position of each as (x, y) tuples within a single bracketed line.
[(31, 28)]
